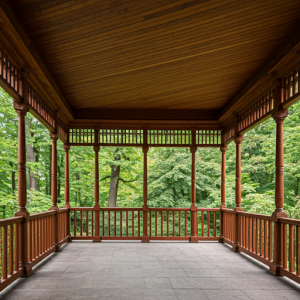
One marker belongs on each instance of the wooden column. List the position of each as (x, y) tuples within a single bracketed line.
[(193, 237), (223, 187), (97, 237), (22, 110), (279, 192), (67, 175), (54, 206), (238, 190), (145, 237)]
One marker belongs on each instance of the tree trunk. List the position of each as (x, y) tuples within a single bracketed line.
[(33, 184), (114, 184)]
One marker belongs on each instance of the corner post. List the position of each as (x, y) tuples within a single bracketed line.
[(145, 237), (223, 149), (54, 206), (278, 117), (193, 148), (22, 110), (238, 190)]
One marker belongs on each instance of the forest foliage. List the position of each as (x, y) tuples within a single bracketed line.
[(169, 170)]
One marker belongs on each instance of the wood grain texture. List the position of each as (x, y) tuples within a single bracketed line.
[(158, 55)]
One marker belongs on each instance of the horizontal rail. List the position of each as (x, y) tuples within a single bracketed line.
[(252, 215), (289, 221), (10, 221), (42, 214)]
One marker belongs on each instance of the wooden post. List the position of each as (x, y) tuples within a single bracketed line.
[(223, 187), (145, 237), (238, 191), (67, 190), (97, 237), (54, 206), (279, 192), (22, 110), (193, 237)]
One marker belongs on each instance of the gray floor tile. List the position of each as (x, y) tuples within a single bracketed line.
[(158, 283), (190, 294)]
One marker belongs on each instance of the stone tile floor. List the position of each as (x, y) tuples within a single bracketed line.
[(167, 271)]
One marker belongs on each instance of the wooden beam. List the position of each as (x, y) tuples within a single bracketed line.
[(147, 114), (21, 44), (266, 75)]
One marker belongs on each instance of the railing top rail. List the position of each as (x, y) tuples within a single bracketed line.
[(208, 209), (121, 208), (82, 208), (290, 221), (231, 211), (42, 214), (10, 221), (168, 209), (64, 209), (253, 215)]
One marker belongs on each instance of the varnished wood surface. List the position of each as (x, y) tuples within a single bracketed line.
[(156, 54)]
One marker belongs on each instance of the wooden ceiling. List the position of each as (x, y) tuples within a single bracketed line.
[(156, 54)]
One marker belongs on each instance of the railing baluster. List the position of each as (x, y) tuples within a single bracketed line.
[(173, 223), (126, 222), (139, 223), (11, 249), (185, 223), (202, 223), (121, 220), (208, 223), (115, 223), (81, 223), (284, 245), (29, 242), (75, 225), (4, 259), (132, 217), (179, 225), (298, 250), (103, 223), (17, 258), (108, 218), (168, 223), (162, 223), (215, 224), (155, 223), (87, 222), (291, 249)]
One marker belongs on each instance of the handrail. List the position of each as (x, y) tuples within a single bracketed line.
[(289, 221), (168, 209), (253, 215), (10, 221), (42, 214), (231, 211)]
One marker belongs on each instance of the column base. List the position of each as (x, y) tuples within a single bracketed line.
[(235, 247), (97, 239), (275, 269), (28, 271), (145, 239), (193, 239)]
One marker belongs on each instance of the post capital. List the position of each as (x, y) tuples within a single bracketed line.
[(224, 148), (193, 149), (145, 149), (53, 136), (239, 139), (21, 109), (96, 148), (280, 115), (66, 147)]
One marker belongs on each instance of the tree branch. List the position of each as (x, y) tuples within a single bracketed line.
[(105, 177), (127, 180)]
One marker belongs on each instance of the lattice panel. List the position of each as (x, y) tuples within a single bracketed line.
[(257, 111), (208, 137), (169, 137), (62, 129), (229, 132), (10, 73), (82, 136), (291, 85), (38, 104), (121, 136)]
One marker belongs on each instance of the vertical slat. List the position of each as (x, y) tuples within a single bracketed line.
[(121, 220), (202, 223), (249, 233), (215, 224), (108, 220), (179, 225), (173, 223), (115, 223), (261, 239), (37, 238), (139, 223), (266, 239), (162, 223), (29, 242), (126, 222), (284, 245), (103, 223), (291, 249), (298, 250), (4, 259), (246, 233), (167, 223), (11, 249), (92, 213), (87, 222), (75, 225), (208, 223), (270, 241), (185, 223), (155, 223), (81, 223), (132, 220), (17, 248), (257, 236)]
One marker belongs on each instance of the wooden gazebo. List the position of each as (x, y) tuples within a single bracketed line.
[(150, 74)]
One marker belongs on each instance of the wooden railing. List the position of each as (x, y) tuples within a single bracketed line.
[(127, 223), (255, 237), (9, 248)]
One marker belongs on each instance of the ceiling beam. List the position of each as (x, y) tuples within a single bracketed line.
[(266, 75), (21, 44)]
